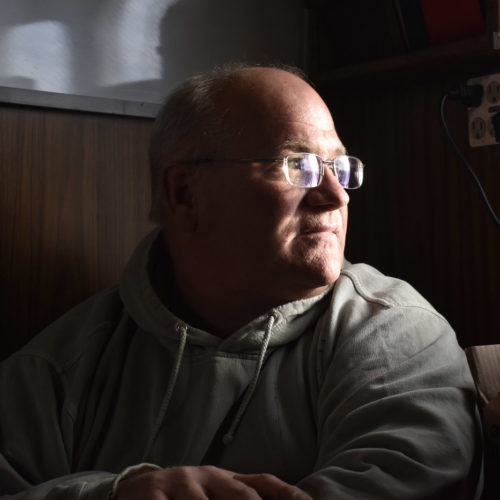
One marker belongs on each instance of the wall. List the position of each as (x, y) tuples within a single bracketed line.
[(74, 197), (418, 216), (139, 49)]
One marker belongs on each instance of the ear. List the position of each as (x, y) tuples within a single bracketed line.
[(180, 191)]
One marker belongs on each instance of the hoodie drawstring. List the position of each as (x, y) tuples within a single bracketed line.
[(229, 436), (182, 330)]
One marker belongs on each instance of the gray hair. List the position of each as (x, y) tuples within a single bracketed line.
[(190, 126)]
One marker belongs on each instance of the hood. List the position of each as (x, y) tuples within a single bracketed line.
[(153, 316)]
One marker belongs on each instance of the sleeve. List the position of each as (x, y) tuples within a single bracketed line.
[(36, 429), (396, 412)]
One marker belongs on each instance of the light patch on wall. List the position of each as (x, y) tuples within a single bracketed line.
[(28, 54), (128, 35), (135, 51)]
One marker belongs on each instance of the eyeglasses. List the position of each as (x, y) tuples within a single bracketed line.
[(306, 170)]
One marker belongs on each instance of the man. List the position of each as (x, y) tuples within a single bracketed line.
[(241, 357)]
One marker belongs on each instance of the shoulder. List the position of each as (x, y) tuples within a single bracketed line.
[(84, 328), (365, 297), (377, 321), (368, 284)]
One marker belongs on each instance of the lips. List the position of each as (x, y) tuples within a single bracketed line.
[(320, 228)]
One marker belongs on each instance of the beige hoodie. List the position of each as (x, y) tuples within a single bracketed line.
[(362, 393)]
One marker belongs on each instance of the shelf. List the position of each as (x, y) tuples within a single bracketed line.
[(474, 57), (465, 56)]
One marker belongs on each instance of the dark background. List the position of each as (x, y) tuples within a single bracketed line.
[(418, 216)]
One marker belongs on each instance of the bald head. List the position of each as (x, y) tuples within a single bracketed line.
[(254, 103), (227, 110), (257, 93)]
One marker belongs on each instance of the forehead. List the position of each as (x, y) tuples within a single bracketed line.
[(270, 111), (275, 133), (306, 138), (278, 136)]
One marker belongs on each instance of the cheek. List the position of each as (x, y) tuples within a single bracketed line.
[(344, 215), (276, 214), (258, 213)]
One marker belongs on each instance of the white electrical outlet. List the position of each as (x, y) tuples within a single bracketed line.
[(478, 128), (493, 91), (481, 131)]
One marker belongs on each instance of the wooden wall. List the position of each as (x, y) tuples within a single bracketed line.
[(74, 197), (419, 216)]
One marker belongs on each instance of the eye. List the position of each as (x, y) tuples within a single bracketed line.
[(303, 163), (297, 164), (304, 169), (343, 176)]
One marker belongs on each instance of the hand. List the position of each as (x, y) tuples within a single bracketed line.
[(205, 482)]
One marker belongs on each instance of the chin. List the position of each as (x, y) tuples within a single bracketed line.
[(323, 265), (327, 278), (312, 266), (314, 279)]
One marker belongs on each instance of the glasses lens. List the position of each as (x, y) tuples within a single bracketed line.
[(303, 170), (349, 171)]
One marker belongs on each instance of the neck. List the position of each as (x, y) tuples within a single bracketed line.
[(219, 314), (204, 302)]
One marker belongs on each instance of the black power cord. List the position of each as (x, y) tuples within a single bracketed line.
[(470, 95)]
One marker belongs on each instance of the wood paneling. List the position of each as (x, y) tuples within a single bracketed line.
[(419, 216), (74, 198)]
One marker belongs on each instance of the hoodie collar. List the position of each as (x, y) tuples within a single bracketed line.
[(153, 316)]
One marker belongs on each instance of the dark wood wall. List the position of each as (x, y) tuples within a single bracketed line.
[(74, 198), (419, 216), (74, 195)]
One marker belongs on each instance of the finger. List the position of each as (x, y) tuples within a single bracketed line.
[(230, 489), (272, 488), (136, 492), (191, 491), (182, 483), (205, 482)]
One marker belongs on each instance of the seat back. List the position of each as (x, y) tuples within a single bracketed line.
[(484, 362)]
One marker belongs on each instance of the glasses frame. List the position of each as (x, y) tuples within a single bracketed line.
[(331, 164)]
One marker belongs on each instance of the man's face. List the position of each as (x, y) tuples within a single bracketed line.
[(261, 236)]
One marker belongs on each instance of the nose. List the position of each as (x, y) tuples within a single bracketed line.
[(329, 194)]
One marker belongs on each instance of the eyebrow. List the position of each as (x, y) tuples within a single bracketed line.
[(302, 147)]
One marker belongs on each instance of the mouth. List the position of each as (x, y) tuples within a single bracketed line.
[(319, 229)]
